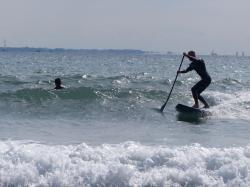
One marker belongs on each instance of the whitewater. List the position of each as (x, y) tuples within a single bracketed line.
[(103, 129)]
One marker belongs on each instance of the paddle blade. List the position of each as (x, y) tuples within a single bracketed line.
[(158, 111), (162, 108)]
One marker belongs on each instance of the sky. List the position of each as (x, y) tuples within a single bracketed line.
[(151, 25)]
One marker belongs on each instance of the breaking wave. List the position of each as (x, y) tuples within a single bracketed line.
[(126, 164)]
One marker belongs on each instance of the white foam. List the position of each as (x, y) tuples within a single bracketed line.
[(230, 105), (126, 164)]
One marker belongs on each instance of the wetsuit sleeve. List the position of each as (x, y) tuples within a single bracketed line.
[(190, 68)]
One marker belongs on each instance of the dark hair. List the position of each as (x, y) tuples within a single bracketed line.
[(191, 53), (58, 81)]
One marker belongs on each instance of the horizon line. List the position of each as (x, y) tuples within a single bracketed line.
[(167, 52)]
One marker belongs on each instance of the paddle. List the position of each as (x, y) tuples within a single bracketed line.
[(163, 106)]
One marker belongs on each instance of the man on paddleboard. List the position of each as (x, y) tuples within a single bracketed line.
[(199, 66)]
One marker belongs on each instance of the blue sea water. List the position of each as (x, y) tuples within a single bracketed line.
[(103, 130)]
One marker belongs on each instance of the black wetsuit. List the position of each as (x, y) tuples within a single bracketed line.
[(200, 68)]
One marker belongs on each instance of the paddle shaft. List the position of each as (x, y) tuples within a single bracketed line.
[(163, 106)]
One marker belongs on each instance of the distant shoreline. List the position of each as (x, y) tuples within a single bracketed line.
[(35, 49), (106, 51)]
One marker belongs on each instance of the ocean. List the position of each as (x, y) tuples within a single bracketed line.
[(103, 129)]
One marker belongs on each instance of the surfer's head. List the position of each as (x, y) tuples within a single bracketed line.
[(58, 83), (191, 53)]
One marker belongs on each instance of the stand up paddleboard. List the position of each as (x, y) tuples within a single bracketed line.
[(183, 109)]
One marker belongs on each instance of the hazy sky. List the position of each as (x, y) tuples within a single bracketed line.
[(157, 25)]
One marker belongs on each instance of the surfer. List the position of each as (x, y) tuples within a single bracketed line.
[(199, 66), (58, 83)]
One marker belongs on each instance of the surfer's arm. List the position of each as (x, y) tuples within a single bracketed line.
[(190, 68), (183, 71)]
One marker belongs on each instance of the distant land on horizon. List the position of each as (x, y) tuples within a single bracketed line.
[(117, 51), (41, 49)]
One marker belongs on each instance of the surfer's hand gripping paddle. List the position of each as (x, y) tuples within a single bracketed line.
[(163, 106)]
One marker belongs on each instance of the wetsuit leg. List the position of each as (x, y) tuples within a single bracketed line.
[(203, 101), (197, 89), (202, 86), (195, 92)]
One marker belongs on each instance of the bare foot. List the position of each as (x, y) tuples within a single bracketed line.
[(206, 106), (195, 106)]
